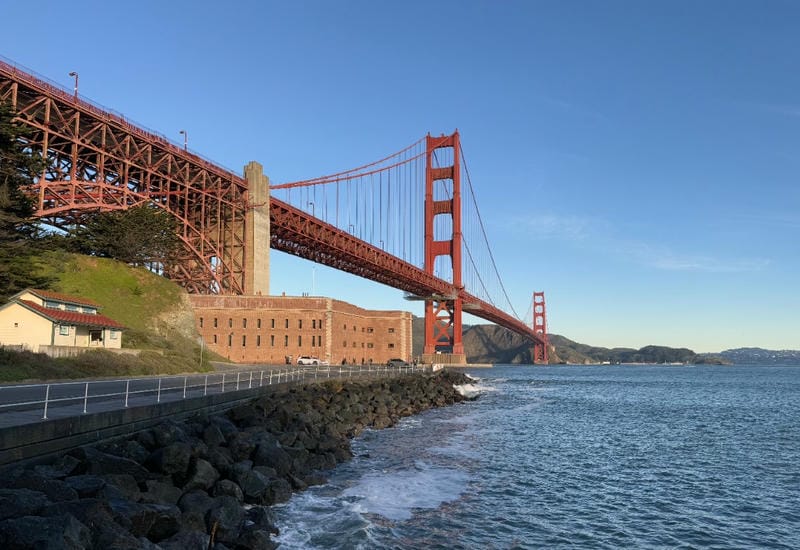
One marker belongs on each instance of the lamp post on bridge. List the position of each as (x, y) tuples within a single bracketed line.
[(185, 139), (75, 88)]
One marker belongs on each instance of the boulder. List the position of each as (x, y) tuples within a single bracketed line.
[(60, 532), (96, 462), (86, 486), (202, 476), (226, 518), (21, 502), (161, 493), (226, 487), (173, 459)]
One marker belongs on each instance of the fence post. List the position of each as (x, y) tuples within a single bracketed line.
[(158, 395), (46, 398), (205, 386), (261, 381), (223, 382), (85, 397), (270, 377), (127, 387), (184, 387), (250, 385), (237, 381)]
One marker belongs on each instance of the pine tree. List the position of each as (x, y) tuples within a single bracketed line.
[(18, 247)]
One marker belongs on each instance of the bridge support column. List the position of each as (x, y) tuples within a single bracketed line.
[(257, 230), (443, 314)]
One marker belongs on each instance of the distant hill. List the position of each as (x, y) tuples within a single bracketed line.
[(493, 344), (760, 356)]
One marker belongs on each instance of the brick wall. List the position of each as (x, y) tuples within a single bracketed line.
[(270, 329)]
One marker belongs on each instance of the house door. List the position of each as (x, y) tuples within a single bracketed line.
[(96, 338)]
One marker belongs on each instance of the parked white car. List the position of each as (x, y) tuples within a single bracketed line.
[(308, 360)]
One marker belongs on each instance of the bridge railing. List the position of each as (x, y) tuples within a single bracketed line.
[(29, 403)]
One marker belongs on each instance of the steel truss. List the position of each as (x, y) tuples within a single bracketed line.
[(97, 161)]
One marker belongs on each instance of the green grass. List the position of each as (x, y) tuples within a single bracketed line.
[(134, 297)]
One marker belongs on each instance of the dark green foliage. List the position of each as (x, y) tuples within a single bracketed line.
[(137, 236), (18, 169)]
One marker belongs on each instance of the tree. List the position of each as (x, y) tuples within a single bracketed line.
[(137, 236), (18, 246)]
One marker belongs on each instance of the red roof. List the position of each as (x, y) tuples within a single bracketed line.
[(73, 317), (50, 295)]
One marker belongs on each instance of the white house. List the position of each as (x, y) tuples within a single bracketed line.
[(38, 320)]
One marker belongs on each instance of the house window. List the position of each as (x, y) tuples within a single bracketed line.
[(201, 322), (95, 337), (90, 310), (258, 323), (114, 334), (63, 330), (52, 305), (70, 307), (244, 323)]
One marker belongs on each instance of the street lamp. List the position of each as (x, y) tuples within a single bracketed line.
[(311, 204), (75, 75), (185, 139)]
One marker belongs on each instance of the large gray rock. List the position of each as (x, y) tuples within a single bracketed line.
[(44, 533), (202, 476), (99, 463), (226, 487), (86, 486), (161, 493), (227, 517), (21, 502), (173, 459), (267, 454), (55, 489), (125, 484), (186, 540)]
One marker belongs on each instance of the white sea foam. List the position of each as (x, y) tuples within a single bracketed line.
[(473, 390), (395, 495)]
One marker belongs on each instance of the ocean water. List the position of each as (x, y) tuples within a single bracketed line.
[(575, 457)]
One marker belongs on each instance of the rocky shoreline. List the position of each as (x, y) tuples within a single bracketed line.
[(207, 482)]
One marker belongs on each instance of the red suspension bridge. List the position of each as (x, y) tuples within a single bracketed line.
[(397, 221)]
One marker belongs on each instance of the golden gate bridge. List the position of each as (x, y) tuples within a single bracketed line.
[(397, 221)]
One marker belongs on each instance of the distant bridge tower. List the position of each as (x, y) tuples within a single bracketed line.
[(443, 313), (257, 231), (540, 327)]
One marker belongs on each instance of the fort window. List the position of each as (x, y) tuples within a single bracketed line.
[(215, 338), (391, 346), (345, 344), (230, 323), (272, 340), (345, 327), (230, 340), (370, 345), (369, 330), (258, 340), (201, 322), (391, 331), (244, 340), (215, 322), (299, 341), (299, 323), (313, 323), (244, 323), (320, 323), (258, 323), (286, 323), (273, 323), (286, 341)]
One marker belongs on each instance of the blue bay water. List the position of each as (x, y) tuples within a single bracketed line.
[(575, 457)]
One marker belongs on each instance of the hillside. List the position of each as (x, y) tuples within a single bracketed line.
[(760, 356), (493, 344), (155, 312)]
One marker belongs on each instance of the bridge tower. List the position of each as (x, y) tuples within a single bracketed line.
[(540, 327), (443, 313)]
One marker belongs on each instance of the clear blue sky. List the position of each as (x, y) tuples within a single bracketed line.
[(637, 161)]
